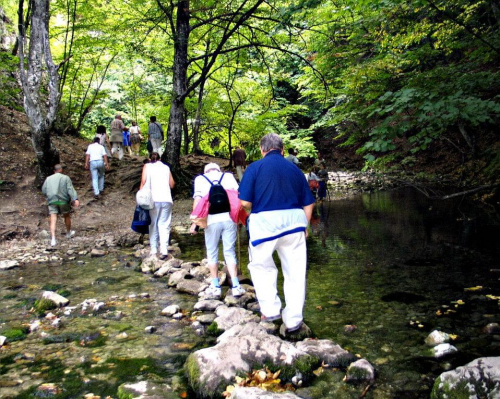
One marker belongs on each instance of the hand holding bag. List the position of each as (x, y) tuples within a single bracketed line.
[(144, 198)]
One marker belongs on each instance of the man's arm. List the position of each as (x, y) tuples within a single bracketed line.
[(248, 206), (87, 161), (106, 162), (308, 209), (72, 193), (171, 181)]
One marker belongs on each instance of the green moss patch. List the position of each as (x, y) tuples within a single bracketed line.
[(16, 333)]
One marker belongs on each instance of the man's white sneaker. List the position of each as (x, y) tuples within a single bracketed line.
[(70, 233), (213, 292), (238, 291), (53, 242)]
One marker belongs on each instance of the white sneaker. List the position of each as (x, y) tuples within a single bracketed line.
[(213, 292), (53, 242), (70, 233), (238, 291)]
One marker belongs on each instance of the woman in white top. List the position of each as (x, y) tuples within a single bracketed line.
[(135, 138), (159, 178)]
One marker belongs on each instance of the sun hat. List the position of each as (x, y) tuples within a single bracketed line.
[(211, 166)]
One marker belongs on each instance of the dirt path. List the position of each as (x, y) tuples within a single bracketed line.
[(23, 208)]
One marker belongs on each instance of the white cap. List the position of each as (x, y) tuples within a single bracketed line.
[(211, 166)]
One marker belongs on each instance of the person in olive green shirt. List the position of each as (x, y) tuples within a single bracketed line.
[(60, 193)]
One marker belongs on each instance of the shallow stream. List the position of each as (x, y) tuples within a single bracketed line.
[(384, 271)]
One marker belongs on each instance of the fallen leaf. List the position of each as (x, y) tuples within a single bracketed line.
[(476, 288)]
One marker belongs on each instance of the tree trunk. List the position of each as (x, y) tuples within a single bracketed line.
[(229, 139), (40, 116), (197, 120), (185, 128), (174, 132)]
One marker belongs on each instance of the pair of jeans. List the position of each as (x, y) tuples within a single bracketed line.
[(97, 173)]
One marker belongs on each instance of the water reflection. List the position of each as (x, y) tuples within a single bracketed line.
[(395, 265)]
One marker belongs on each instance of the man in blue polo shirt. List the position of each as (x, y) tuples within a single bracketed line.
[(277, 194)]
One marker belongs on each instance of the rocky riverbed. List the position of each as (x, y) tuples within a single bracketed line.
[(100, 318)]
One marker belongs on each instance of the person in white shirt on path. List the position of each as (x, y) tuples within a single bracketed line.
[(219, 226), (97, 161), (160, 180)]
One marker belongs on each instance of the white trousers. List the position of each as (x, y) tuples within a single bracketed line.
[(159, 229), (156, 144), (292, 252), (117, 148), (213, 233)]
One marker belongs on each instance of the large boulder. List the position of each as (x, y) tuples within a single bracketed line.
[(477, 379), (240, 348)]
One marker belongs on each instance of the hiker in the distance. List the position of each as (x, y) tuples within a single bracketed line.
[(219, 226), (60, 194), (155, 135)]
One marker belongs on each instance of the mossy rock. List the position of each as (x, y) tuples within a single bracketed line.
[(477, 379), (42, 305)]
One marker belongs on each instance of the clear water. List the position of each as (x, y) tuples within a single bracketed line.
[(389, 264)]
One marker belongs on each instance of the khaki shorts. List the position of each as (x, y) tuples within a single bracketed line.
[(57, 209)]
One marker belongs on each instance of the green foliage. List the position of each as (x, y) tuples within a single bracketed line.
[(390, 77), (10, 92), (403, 72)]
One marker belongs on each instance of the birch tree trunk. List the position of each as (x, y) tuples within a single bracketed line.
[(38, 73)]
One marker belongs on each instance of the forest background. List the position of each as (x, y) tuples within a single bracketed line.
[(403, 86)]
